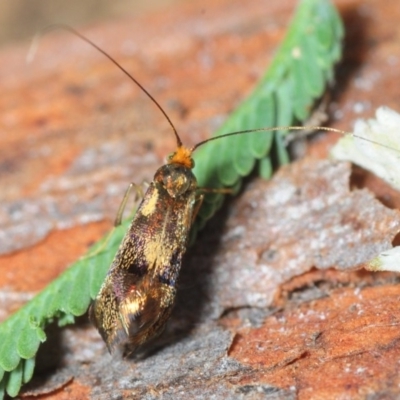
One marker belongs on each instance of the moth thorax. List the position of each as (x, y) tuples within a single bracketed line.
[(177, 179)]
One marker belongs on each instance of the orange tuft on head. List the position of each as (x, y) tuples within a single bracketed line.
[(182, 156)]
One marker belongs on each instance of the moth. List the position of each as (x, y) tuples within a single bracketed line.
[(139, 290)]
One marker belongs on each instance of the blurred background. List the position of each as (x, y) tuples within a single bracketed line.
[(21, 19)]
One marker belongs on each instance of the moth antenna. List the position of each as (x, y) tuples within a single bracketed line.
[(289, 128), (35, 43)]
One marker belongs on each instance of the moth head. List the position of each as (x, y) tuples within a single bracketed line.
[(182, 156)]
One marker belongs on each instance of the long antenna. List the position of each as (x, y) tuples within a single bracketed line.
[(34, 45), (289, 128)]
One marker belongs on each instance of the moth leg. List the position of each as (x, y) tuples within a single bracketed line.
[(197, 206), (118, 219), (200, 198), (216, 190), (139, 195)]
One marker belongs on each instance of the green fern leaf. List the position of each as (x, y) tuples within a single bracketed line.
[(14, 381), (29, 368)]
